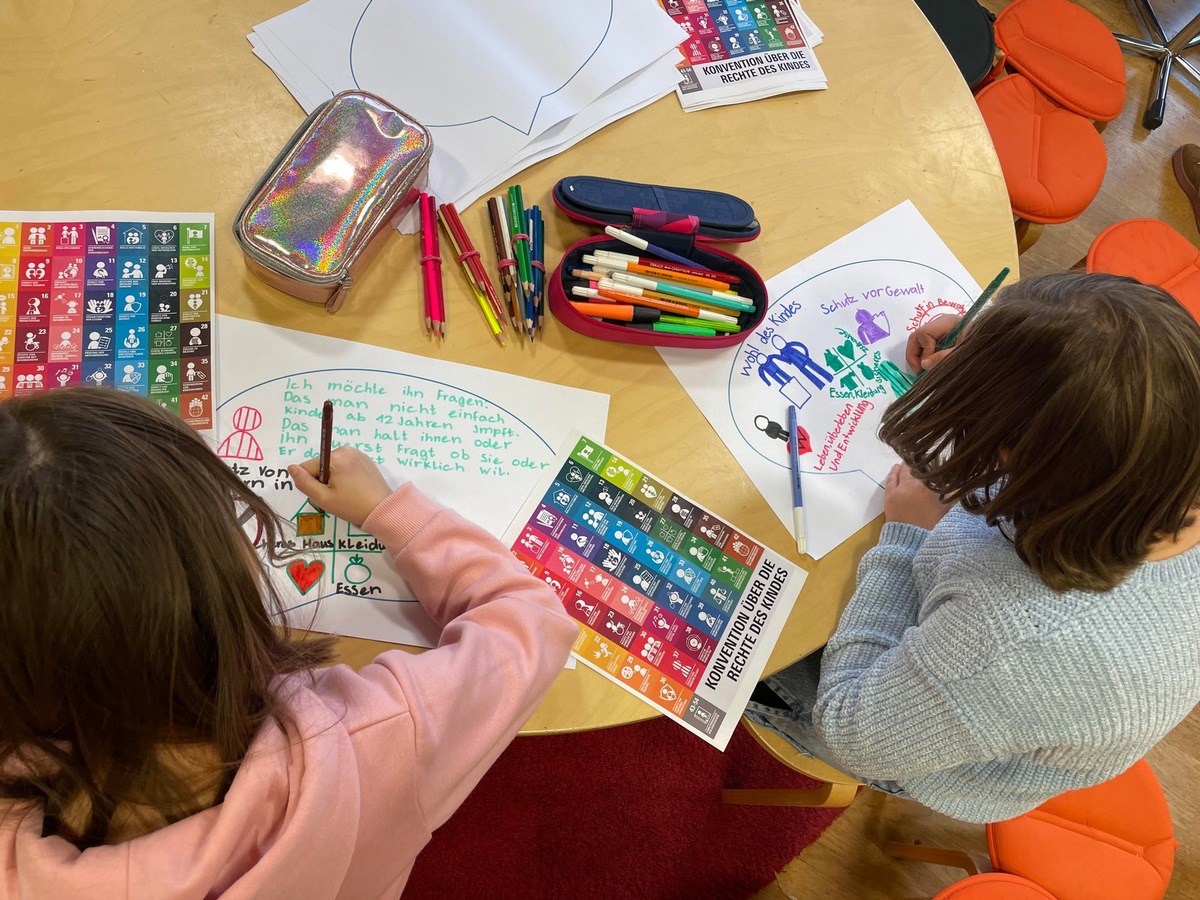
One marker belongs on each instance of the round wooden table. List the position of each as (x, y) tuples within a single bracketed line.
[(128, 105)]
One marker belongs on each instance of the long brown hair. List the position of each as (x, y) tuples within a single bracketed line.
[(1069, 414), (133, 612)]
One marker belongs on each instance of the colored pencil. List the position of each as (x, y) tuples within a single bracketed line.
[(520, 245), (496, 326), (470, 259), (505, 264), (948, 341), (431, 267), (539, 250)]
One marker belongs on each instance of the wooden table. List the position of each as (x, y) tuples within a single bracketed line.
[(133, 105)]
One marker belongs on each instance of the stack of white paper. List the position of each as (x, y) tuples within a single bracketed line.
[(499, 86), (736, 52)]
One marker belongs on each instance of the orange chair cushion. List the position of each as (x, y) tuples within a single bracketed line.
[(1111, 840), (1067, 52), (1152, 252), (994, 886), (1053, 160)]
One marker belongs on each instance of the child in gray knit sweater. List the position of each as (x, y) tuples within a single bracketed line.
[(1029, 622)]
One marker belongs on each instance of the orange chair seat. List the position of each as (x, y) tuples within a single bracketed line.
[(1152, 252), (1111, 840), (1067, 52), (994, 886), (1053, 159)]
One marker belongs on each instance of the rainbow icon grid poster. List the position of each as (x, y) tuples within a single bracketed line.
[(110, 299), (673, 603)]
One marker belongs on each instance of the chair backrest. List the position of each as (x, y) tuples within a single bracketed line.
[(966, 29)]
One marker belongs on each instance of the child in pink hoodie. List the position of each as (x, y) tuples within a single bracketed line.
[(161, 737)]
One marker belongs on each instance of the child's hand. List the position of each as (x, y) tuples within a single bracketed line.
[(921, 352), (907, 500), (355, 487)]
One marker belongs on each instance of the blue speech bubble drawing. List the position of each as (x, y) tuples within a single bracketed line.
[(511, 95)]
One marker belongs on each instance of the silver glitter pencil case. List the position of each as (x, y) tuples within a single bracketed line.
[(326, 204)]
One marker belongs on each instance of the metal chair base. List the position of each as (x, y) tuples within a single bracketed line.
[(1167, 51)]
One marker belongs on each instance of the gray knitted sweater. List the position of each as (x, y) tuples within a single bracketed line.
[(955, 673)]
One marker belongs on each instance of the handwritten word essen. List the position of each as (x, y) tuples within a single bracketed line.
[(832, 345), (110, 299), (475, 440), (674, 604)]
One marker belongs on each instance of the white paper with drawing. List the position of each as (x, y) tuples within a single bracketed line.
[(831, 344), (472, 439), (487, 79)]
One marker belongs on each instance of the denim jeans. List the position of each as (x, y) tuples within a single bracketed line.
[(797, 686)]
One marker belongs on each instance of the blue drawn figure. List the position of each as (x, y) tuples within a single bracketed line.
[(897, 380), (796, 354), (869, 330), (769, 370)]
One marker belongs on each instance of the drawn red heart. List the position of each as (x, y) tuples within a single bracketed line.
[(305, 573), (803, 442)]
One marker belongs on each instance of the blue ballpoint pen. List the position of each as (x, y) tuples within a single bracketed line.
[(797, 495)]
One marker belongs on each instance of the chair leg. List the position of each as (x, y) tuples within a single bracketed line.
[(937, 855), (1027, 233), (827, 794)]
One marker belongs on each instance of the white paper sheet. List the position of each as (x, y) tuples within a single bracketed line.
[(846, 309), (473, 439), (485, 82)]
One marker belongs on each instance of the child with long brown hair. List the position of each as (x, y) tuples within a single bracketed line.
[(1029, 622), (162, 734)]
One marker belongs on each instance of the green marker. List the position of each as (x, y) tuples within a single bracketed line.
[(671, 328)]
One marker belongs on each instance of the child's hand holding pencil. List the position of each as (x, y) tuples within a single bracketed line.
[(355, 488)]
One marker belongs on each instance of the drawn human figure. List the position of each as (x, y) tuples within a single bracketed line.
[(131, 340), (65, 342), (131, 269), (72, 307), (723, 19), (242, 444), (770, 428), (790, 33), (3, 383), (131, 375), (869, 330), (160, 270), (98, 376), (753, 40), (101, 270), (3, 306), (734, 43), (131, 304), (8, 237), (194, 340), (164, 376), (64, 375), (37, 235), (34, 307), (70, 270), (31, 342), (193, 374), (99, 306), (796, 354)]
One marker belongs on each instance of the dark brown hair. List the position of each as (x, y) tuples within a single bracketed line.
[(133, 614), (1068, 413)]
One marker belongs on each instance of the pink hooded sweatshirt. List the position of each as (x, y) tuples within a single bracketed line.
[(337, 797)]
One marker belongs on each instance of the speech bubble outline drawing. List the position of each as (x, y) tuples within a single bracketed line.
[(512, 98)]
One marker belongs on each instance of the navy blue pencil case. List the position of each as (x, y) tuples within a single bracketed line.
[(609, 201)]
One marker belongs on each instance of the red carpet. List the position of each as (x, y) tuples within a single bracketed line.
[(630, 813)]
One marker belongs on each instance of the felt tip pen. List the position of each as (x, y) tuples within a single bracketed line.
[(670, 266), (686, 293), (948, 341), (798, 529), (671, 328), (684, 278), (670, 306), (607, 284), (634, 241)]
